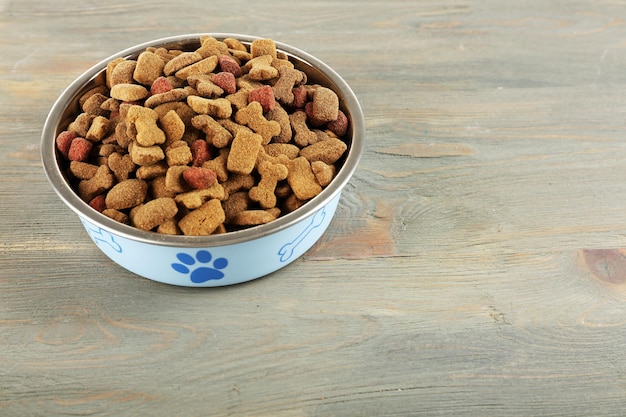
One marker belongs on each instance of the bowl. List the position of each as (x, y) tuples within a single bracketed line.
[(215, 260)]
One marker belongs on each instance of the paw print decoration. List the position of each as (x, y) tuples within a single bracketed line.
[(201, 267)]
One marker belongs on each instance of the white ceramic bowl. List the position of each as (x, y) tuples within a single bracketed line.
[(216, 260)]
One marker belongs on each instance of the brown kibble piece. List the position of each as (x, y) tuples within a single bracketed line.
[(149, 67), (303, 136), (173, 126), (261, 47), (280, 115), (98, 130), (153, 213), (216, 134), (181, 61), (122, 72), (121, 165), (174, 180), (324, 173), (195, 198), (243, 152), (218, 165), (116, 215), (260, 68), (289, 77), (325, 104), (169, 227), (204, 220), (145, 122), (252, 116), (127, 194), (254, 217), (263, 193), (219, 107), (302, 180), (328, 151), (129, 92), (83, 170), (102, 181), (175, 94), (93, 104), (145, 155), (237, 182), (204, 66), (235, 204)]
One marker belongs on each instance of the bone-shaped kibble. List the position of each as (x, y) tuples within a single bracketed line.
[(216, 134), (303, 136), (181, 61), (195, 198), (260, 68), (102, 180), (121, 165), (204, 66), (289, 77), (263, 193), (219, 107), (252, 116), (145, 123)]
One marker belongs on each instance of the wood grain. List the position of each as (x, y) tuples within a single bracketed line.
[(475, 266)]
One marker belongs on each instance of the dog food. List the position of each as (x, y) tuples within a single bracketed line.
[(205, 141)]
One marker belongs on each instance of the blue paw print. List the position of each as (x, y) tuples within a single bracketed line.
[(200, 274)]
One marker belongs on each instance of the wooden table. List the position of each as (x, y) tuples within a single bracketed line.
[(476, 265)]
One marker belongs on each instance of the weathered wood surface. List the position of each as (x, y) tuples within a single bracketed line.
[(476, 265)]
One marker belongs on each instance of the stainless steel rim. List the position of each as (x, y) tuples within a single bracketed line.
[(71, 199)]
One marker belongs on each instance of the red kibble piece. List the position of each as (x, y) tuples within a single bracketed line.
[(79, 150), (265, 96), (299, 97), (64, 140), (340, 126), (228, 64), (199, 178), (161, 85), (98, 203), (226, 81), (200, 152), (310, 117)]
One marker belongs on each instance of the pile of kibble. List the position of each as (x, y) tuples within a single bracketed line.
[(202, 142)]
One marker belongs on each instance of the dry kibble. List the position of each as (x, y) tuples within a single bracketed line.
[(205, 141), (153, 213), (126, 194), (204, 220), (149, 68), (243, 152), (129, 92)]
